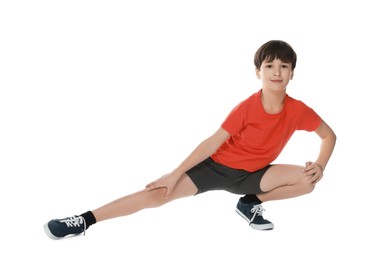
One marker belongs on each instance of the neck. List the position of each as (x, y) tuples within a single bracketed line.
[(272, 101)]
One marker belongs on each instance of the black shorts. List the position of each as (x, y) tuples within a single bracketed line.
[(210, 175)]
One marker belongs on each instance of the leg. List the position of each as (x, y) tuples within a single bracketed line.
[(144, 199), (279, 182), (59, 228), (284, 181)]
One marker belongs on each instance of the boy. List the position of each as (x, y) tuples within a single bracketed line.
[(238, 156)]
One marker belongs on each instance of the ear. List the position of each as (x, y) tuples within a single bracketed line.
[(292, 75), (258, 73)]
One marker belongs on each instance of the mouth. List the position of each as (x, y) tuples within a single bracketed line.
[(276, 80)]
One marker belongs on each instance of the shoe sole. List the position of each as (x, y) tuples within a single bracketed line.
[(48, 232), (50, 235), (256, 227)]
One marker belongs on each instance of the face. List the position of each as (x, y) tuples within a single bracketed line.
[(275, 75)]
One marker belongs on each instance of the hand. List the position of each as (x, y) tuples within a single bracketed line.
[(167, 181), (314, 171)]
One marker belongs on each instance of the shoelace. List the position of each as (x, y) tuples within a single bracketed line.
[(256, 210), (75, 221)]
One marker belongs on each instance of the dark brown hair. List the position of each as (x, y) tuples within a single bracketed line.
[(275, 49)]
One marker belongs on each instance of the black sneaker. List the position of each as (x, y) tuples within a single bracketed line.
[(252, 213), (59, 228)]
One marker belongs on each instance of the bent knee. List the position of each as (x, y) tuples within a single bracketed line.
[(306, 186), (303, 181)]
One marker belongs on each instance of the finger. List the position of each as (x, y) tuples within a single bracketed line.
[(149, 187), (310, 172), (153, 183), (308, 166), (316, 169), (311, 179), (315, 181), (152, 186), (310, 176), (167, 193), (319, 178), (316, 178)]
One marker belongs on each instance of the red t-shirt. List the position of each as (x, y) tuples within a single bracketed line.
[(256, 137)]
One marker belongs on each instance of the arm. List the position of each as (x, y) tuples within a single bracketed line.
[(203, 151), (328, 141)]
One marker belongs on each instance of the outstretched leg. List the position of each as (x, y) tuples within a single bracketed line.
[(144, 199), (59, 228)]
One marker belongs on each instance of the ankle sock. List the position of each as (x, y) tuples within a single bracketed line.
[(251, 198), (90, 219)]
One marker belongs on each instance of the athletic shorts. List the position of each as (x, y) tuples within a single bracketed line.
[(210, 175)]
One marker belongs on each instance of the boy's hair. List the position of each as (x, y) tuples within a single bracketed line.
[(275, 49)]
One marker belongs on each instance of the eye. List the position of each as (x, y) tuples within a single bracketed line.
[(269, 66), (285, 66)]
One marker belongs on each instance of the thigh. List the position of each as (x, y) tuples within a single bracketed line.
[(185, 187), (281, 175)]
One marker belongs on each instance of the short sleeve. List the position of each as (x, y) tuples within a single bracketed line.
[(235, 120), (309, 119)]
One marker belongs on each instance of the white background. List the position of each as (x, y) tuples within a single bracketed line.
[(98, 98)]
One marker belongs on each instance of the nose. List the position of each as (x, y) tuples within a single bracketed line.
[(277, 71)]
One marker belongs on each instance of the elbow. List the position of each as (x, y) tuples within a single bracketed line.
[(334, 137), (331, 135)]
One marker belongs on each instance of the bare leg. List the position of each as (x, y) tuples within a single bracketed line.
[(144, 199), (279, 182), (284, 181)]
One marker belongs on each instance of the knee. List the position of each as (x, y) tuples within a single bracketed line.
[(157, 198), (306, 186), (303, 182)]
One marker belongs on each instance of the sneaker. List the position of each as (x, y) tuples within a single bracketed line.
[(252, 213), (59, 228)]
